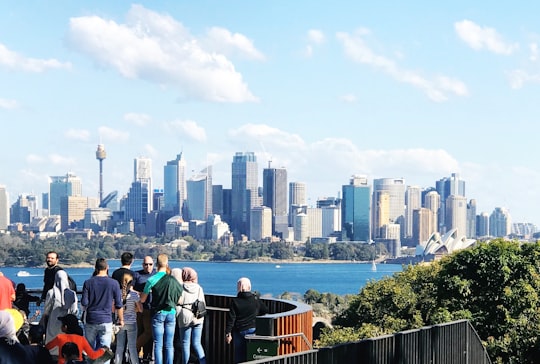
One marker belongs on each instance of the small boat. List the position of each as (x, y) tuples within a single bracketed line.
[(23, 273), (373, 266), (278, 266)]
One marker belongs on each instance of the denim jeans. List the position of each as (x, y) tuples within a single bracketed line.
[(99, 335), (127, 333), (240, 344), (163, 326), (189, 335)]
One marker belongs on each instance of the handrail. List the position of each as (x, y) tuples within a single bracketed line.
[(278, 337)]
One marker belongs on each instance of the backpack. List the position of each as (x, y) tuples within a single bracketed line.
[(72, 284), (198, 308)]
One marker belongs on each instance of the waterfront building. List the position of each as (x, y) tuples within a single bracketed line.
[(260, 223), (424, 224), (244, 194), (275, 197), (500, 223), (314, 222), (356, 209), (297, 197), (174, 184), (331, 220)]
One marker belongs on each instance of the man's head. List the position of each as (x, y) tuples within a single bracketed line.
[(126, 258), (70, 350), (101, 265), (52, 259), (148, 264), (162, 261)]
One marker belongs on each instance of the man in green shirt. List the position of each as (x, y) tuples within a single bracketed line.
[(165, 291)]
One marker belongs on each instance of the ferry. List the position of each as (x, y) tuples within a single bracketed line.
[(23, 273)]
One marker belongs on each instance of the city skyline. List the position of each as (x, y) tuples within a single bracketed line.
[(326, 90)]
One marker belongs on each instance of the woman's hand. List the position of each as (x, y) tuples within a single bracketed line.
[(228, 338)]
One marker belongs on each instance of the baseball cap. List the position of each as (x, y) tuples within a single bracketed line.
[(69, 320)]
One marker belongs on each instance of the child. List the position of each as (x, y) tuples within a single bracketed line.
[(71, 354), (23, 299)]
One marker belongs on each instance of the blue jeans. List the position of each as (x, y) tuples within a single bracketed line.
[(240, 344), (127, 333), (99, 335), (163, 326), (189, 335)]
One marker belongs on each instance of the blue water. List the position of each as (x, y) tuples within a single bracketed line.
[(270, 279)]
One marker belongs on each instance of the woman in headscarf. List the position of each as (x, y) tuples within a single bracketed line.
[(11, 350), (244, 308), (188, 326), (59, 302)]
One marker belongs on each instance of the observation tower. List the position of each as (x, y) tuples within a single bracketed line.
[(100, 156)]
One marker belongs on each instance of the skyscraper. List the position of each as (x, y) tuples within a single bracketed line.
[(471, 219), (356, 209), (174, 184), (142, 172), (63, 186), (297, 197), (413, 202), (482, 225), (260, 223), (395, 188), (447, 186), (500, 223), (244, 194), (199, 195), (275, 197), (432, 201), (456, 214), (4, 208)]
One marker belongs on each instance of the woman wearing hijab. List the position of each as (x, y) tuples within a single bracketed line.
[(188, 326), (11, 350), (59, 302), (244, 308)]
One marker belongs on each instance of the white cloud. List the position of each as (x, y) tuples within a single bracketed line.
[(518, 78), (15, 61), (8, 104), (61, 160), (479, 38), (437, 89), (156, 48), (77, 134), (137, 119), (533, 47), (316, 36), (187, 128), (34, 158), (349, 98), (223, 41), (109, 134)]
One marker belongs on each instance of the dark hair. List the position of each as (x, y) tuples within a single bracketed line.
[(21, 287), (70, 350), (36, 334), (126, 258), (52, 252), (101, 264)]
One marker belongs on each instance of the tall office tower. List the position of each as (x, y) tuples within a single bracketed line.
[(199, 195), (142, 172), (381, 212), (413, 195), (45, 204), (275, 197), (500, 223), (395, 188), (482, 225), (447, 186), (174, 184), (471, 219), (24, 209), (4, 208), (331, 220), (300, 228), (260, 223), (432, 201), (328, 201), (356, 209), (227, 202), (297, 197), (62, 186), (424, 224), (72, 211), (136, 204), (314, 222), (390, 233), (244, 195), (456, 214), (217, 200)]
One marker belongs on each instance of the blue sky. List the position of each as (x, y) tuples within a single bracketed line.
[(325, 89)]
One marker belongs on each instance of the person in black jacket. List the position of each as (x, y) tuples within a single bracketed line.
[(244, 308), (49, 273)]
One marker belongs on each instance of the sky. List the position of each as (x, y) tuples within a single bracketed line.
[(326, 89)]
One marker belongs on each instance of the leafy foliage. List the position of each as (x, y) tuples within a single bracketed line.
[(495, 285)]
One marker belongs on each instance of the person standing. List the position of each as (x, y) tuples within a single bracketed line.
[(49, 273), (166, 292), (244, 309), (100, 294), (190, 327), (127, 336), (144, 318), (7, 292), (23, 299), (60, 301), (126, 259)]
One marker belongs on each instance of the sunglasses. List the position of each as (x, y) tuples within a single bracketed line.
[(148, 263)]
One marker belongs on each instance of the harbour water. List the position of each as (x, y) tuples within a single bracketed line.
[(270, 279)]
